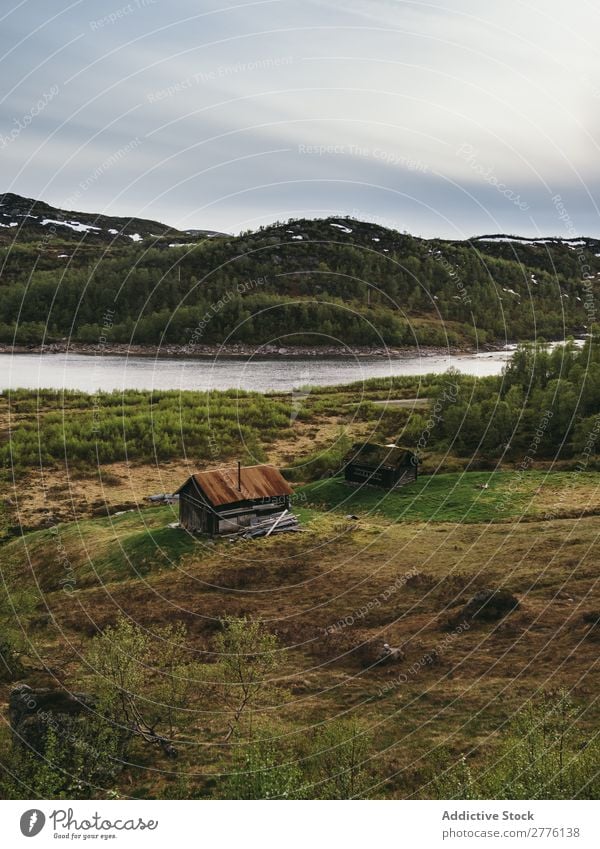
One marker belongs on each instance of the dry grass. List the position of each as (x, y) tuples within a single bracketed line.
[(390, 583), (65, 495)]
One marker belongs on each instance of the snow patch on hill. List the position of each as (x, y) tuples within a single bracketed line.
[(74, 225)]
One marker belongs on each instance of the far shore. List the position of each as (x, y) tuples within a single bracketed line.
[(236, 351)]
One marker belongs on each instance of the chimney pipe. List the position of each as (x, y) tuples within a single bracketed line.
[(239, 476)]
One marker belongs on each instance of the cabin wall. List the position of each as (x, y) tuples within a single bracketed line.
[(405, 476), (229, 518), (365, 474), (191, 516), (194, 515)]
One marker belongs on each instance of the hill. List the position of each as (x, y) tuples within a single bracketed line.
[(28, 220), (328, 595), (333, 281)]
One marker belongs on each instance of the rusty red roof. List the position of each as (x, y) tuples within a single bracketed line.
[(220, 486)]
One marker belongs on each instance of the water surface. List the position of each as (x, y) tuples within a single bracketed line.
[(104, 372)]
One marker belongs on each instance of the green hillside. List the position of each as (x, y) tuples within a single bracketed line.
[(304, 282)]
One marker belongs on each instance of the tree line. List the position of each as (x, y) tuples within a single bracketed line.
[(360, 288)]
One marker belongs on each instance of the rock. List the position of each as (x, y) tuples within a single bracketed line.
[(32, 712), (390, 654), (113, 509), (50, 520), (374, 653)]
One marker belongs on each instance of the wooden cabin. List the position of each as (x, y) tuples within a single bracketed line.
[(223, 501), (387, 466)]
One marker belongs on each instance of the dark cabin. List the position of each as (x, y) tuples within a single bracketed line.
[(222, 501), (387, 466)]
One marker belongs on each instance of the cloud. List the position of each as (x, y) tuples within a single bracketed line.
[(224, 99)]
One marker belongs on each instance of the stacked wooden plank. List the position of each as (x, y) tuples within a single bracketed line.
[(278, 523)]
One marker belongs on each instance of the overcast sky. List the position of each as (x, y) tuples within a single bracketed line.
[(455, 118)]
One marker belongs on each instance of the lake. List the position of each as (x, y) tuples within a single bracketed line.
[(103, 372)]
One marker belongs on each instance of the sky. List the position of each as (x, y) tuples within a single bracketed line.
[(444, 119)]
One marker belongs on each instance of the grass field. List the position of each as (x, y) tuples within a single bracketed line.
[(99, 550), (464, 497), (138, 541), (79, 545), (342, 571)]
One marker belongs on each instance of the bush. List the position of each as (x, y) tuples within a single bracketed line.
[(143, 680), (261, 770), (339, 762), (544, 755), (81, 761)]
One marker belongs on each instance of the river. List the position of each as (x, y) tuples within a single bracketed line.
[(92, 373)]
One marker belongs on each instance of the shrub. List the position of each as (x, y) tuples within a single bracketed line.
[(544, 755)]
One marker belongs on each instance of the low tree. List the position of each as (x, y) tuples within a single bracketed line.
[(339, 761), (143, 680), (16, 604), (248, 659)]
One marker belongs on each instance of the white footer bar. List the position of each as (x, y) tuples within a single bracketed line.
[(301, 825)]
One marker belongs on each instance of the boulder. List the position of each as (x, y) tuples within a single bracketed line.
[(376, 653), (390, 654), (32, 712)]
